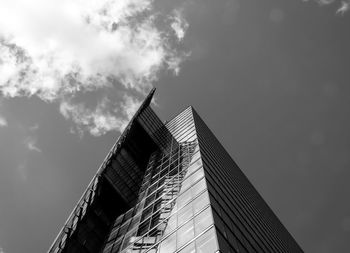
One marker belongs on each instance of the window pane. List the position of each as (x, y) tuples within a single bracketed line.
[(183, 199), (171, 225), (117, 245), (169, 244), (200, 202), (185, 185), (185, 234), (207, 243), (203, 220), (197, 175), (185, 214), (196, 149), (195, 156), (127, 239), (194, 166), (198, 187), (188, 249)]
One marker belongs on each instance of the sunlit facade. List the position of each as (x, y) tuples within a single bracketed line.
[(171, 187)]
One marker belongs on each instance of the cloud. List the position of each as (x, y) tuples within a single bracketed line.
[(3, 123), (179, 24), (130, 106), (1, 250), (101, 119), (324, 1), (56, 49), (344, 5), (31, 144)]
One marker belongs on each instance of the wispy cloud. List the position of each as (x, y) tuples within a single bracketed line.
[(130, 106), (100, 119), (179, 24), (3, 123), (56, 49), (344, 5), (31, 144)]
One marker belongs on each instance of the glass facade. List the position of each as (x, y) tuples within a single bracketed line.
[(171, 187), (173, 209)]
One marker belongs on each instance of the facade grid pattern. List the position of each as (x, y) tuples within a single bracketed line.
[(171, 188), (173, 208)]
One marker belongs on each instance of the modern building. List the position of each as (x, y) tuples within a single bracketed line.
[(171, 187)]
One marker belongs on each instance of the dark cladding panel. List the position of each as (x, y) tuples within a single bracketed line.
[(157, 130), (126, 168), (240, 213)]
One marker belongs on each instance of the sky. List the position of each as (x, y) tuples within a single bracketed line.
[(270, 78)]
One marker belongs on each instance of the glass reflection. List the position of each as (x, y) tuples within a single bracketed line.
[(207, 242), (185, 233)]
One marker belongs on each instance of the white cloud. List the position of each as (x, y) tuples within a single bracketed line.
[(325, 1), (101, 119), (3, 123), (1, 250), (321, 2), (344, 5), (130, 106), (56, 49), (31, 144), (179, 24)]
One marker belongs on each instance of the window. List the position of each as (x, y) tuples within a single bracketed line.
[(197, 175), (143, 228), (127, 239), (153, 250), (171, 225), (185, 214), (200, 202), (188, 249), (123, 229), (194, 166), (195, 156), (183, 199), (198, 187), (203, 220), (185, 185), (185, 234), (207, 243), (169, 244)]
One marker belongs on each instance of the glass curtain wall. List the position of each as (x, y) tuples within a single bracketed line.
[(172, 213)]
